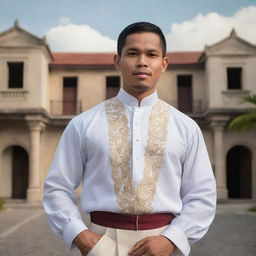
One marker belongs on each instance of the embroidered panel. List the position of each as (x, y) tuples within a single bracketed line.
[(136, 200)]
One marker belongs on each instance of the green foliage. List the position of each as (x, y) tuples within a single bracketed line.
[(247, 120), (251, 98), (253, 210), (1, 203), (244, 121)]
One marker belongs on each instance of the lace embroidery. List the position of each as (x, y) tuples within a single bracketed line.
[(120, 152), (154, 156), (130, 199)]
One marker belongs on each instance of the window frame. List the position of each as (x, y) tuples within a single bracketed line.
[(4, 69), (241, 77), (234, 64), (9, 64)]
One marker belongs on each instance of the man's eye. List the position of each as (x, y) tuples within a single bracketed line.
[(132, 53), (152, 54)]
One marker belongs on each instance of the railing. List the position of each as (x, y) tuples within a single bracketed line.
[(234, 98), (12, 93), (235, 93), (60, 107)]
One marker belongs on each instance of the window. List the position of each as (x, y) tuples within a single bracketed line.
[(15, 79), (184, 83), (113, 85), (69, 95), (234, 76)]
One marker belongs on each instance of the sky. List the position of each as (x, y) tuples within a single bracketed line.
[(94, 25)]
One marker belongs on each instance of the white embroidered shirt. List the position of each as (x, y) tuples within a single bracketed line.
[(132, 159)]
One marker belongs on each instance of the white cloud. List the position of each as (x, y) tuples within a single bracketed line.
[(78, 38), (208, 29)]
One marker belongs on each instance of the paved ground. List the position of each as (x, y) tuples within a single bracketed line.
[(233, 233), (24, 231)]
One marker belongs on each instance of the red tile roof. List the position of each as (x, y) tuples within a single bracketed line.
[(106, 59), (84, 59), (184, 58)]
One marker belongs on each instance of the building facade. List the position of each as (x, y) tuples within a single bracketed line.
[(40, 91)]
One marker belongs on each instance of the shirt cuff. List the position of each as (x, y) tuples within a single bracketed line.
[(74, 227), (174, 234)]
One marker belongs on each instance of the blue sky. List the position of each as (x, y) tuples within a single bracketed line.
[(109, 17)]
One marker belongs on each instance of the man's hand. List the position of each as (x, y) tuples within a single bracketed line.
[(86, 240), (153, 246)]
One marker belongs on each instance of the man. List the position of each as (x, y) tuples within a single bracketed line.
[(147, 182)]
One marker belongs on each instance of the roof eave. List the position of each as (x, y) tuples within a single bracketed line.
[(81, 66)]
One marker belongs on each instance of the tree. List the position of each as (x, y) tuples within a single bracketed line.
[(247, 120)]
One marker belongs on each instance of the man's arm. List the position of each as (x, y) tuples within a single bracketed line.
[(65, 175), (198, 194)]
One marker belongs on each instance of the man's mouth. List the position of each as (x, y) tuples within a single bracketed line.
[(141, 74)]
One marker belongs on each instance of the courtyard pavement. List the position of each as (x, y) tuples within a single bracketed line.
[(24, 231)]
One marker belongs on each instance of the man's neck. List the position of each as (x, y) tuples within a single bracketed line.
[(140, 95)]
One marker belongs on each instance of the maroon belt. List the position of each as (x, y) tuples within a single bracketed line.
[(131, 221)]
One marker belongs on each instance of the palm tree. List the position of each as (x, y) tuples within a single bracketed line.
[(247, 120)]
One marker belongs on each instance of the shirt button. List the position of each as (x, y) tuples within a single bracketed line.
[(137, 140)]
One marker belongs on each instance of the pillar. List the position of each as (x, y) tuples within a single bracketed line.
[(34, 187), (219, 159)]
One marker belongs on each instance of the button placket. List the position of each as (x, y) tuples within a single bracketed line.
[(136, 141)]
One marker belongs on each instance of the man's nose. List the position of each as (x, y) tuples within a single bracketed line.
[(142, 61)]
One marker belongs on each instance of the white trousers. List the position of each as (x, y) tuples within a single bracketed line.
[(118, 242)]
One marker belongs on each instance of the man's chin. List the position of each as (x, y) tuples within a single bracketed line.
[(141, 88)]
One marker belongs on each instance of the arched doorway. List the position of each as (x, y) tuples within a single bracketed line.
[(15, 172), (239, 172)]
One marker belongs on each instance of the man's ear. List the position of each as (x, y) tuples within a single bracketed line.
[(165, 63), (116, 61)]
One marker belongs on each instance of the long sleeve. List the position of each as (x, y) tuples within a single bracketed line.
[(64, 177), (198, 194)]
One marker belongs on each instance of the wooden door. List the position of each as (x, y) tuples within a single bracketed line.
[(185, 103), (112, 92), (70, 96), (20, 172), (239, 172), (113, 86)]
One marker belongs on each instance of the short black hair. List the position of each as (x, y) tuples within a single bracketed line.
[(140, 27)]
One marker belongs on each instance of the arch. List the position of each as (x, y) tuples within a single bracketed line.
[(14, 172), (11, 144), (239, 172)]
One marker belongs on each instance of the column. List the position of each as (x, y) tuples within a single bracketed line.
[(219, 159), (34, 187)]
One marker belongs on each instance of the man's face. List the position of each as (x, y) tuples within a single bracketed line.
[(141, 63)]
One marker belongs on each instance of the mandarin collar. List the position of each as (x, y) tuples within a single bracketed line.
[(130, 100)]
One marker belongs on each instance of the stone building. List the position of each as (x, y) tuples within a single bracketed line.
[(40, 91)]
